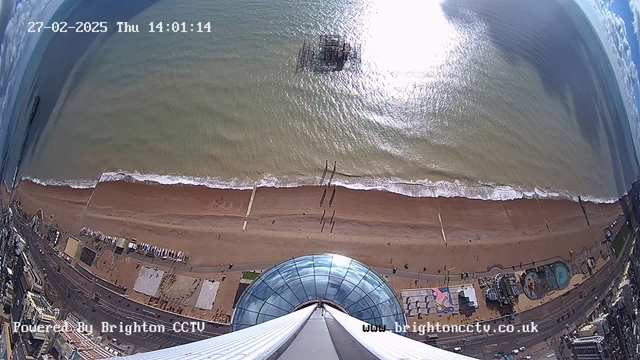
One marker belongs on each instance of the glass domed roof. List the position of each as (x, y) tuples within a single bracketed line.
[(336, 279)]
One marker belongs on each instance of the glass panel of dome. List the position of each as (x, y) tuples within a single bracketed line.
[(277, 300), (298, 289), (357, 315), (272, 310), (370, 301), (355, 296), (264, 317), (284, 264), (370, 282), (273, 278), (367, 300), (246, 317), (387, 308), (400, 319), (286, 293), (339, 266), (237, 327), (261, 290), (379, 295), (288, 270), (340, 260), (366, 315), (390, 322), (237, 313), (304, 264), (252, 303), (396, 306), (322, 264), (309, 284), (356, 272), (332, 288), (356, 307), (373, 309), (321, 285), (344, 290), (376, 312)]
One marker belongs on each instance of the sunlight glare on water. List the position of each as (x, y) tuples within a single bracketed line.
[(407, 45)]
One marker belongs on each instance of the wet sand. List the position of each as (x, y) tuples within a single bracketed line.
[(376, 227)]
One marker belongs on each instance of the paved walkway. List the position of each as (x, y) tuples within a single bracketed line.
[(379, 270)]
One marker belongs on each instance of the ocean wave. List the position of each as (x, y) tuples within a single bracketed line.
[(419, 188), (75, 183)]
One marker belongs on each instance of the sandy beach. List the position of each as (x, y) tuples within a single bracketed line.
[(378, 228)]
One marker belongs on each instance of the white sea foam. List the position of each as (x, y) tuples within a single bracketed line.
[(420, 188), (75, 183)]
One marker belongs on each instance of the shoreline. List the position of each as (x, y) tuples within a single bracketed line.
[(417, 188), (378, 228)]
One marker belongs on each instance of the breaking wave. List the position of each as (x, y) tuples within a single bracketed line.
[(76, 184), (419, 188)]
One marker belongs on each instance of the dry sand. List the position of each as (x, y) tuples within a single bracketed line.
[(378, 228)]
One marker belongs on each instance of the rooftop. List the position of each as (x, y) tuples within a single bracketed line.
[(588, 339), (85, 347), (41, 304)]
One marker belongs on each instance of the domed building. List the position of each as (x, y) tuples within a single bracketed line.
[(336, 280)]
